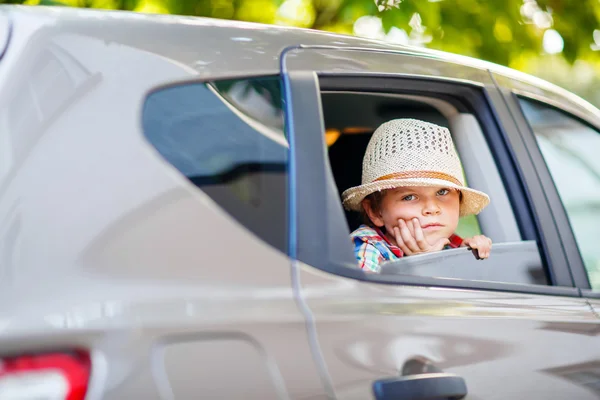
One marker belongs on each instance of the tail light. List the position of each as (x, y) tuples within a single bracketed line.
[(48, 376)]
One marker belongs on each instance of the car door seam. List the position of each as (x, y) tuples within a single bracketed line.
[(309, 319)]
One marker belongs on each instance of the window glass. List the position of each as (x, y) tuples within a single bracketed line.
[(227, 139), (259, 99), (571, 150)]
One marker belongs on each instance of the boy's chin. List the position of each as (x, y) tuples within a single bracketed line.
[(434, 237)]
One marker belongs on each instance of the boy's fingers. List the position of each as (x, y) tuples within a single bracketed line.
[(484, 251), (408, 239), (480, 246), (486, 244), (419, 236), (411, 227), (401, 243), (399, 240), (472, 245)]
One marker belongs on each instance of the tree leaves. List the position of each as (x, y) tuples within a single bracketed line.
[(508, 32)]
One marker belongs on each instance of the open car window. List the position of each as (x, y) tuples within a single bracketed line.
[(349, 130), (350, 116)]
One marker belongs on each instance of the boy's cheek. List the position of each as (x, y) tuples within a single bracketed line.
[(454, 219)]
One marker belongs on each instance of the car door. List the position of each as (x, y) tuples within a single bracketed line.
[(378, 334), (563, 135)]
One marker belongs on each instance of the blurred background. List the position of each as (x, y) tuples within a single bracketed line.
[(556, 40)]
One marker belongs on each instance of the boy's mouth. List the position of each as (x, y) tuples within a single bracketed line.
[(432, 225)]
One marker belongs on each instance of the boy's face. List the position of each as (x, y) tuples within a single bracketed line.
[(436, 208)]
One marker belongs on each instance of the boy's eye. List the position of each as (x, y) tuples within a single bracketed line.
[(443, 192), (410, 197)]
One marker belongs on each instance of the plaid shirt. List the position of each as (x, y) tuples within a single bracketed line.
[(371, 247)]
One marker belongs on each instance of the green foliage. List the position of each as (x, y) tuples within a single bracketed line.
[(508, 32), (468, 227)]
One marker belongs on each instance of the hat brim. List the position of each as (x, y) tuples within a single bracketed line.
[(473, 201)]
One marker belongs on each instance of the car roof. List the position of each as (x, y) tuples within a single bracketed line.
[(195, 42), (216, 48)]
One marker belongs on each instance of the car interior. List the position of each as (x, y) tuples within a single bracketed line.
[(351, 117)]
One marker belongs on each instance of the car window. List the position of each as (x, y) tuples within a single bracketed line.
[(227, 139), (570, 149), (350, 116), (347, 140)]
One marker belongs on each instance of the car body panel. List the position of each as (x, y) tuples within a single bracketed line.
[(5, 32), (370, 331), (365, 60), (104, 244), (503, 345)]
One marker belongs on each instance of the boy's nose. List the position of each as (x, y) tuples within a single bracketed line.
[(431, 208)]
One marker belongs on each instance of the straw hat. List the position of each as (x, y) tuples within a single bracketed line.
[(409, 152)]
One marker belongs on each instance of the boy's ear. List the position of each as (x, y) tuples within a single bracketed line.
[(374, 215)]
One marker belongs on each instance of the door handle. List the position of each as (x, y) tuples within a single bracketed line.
[(420, 387)]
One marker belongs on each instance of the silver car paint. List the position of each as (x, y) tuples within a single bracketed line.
[(369, 332), (125, 281), (104, 244), (503, 345)]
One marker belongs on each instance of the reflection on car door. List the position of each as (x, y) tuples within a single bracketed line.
[(504, 345)]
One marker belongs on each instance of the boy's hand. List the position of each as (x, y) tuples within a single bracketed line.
[(481, 244), (411, 240)]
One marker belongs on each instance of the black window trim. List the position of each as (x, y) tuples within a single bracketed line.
[(303, 88), (564, 227)]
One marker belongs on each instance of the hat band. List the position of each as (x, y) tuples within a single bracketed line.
[(420, 174)]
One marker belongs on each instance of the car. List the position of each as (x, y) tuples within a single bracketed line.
[(171, 221)]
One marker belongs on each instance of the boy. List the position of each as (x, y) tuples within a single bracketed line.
[(412, 195)]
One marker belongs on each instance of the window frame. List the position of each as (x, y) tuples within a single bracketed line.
[(304, 87), (460, 121), (564, 227)]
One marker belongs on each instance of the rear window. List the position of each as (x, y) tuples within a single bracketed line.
[(227, 138)]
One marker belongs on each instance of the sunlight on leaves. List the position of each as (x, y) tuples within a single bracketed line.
[(152, 7), (106, 4), (300, 13), (502, 31), (262, 11)]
